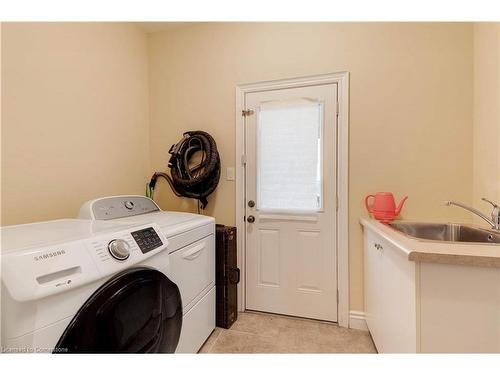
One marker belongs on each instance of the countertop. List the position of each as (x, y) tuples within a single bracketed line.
[(484, 255)]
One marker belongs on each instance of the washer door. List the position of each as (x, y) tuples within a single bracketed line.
[(137, 311)]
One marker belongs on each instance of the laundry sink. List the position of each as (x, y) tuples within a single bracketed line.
[(447, 232)]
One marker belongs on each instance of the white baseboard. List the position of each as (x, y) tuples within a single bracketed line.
[(357, 320)]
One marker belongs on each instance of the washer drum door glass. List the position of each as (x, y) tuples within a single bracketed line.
[(137, 311)]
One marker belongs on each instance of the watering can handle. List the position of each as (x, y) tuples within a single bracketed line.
[(368, 207)]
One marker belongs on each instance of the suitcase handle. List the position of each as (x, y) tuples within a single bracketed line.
[(233, 271)]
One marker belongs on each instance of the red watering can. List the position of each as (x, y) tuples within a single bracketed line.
[(383, 207)]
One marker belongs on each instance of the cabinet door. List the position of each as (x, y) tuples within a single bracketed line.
[(390, 297), (398, 300), (372, 284)]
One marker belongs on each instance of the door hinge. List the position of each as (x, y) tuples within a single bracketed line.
[(243, 159), (336, 203), (338, 109), (247, 112), (337, 296)]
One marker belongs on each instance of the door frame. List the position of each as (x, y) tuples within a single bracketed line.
[(342, 227)]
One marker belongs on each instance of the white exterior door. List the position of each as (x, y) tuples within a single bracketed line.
[(291, 201)]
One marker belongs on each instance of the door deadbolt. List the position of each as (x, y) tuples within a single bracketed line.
[(251, 219), (251, 204)]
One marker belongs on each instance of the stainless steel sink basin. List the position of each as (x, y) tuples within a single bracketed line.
[(447, 232)]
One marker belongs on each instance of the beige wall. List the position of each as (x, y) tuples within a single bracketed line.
[(486, 157), (75, 110), (75, 116), (410, 106)]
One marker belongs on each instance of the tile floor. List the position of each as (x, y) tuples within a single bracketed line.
[(268, 333)]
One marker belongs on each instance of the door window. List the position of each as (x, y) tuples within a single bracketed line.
[(289, 156)]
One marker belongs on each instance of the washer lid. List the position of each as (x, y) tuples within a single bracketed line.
[(168, 218), (25, 236), (171, 222)]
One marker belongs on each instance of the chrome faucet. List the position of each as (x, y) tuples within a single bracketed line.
[(495, 214)]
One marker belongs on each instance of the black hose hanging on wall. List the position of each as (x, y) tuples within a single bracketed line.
[(198, 181)]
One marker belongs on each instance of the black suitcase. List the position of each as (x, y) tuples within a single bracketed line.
[(227, 276)]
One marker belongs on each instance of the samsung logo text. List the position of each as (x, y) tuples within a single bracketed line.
[(49, 255)]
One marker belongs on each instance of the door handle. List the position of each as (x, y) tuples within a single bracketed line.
[(251, 219)]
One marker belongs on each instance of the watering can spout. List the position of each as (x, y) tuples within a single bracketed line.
[(400, 206)]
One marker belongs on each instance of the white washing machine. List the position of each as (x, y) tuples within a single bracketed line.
[(83, 286), (192, 257)]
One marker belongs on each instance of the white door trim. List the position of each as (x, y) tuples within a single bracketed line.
[(342, 81)]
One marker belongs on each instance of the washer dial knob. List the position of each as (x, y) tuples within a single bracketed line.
[(129, 205), (119, 249)]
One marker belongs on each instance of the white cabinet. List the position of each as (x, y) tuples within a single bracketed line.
[(390, 296), (428, 307)]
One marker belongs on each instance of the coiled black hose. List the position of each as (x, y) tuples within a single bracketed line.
[(198, 181)]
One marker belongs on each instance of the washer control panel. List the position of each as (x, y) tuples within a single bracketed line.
[(115, 251), (147, 239), (117, 207), (40, 271)]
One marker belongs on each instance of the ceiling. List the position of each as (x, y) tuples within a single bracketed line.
[(153, 27)]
